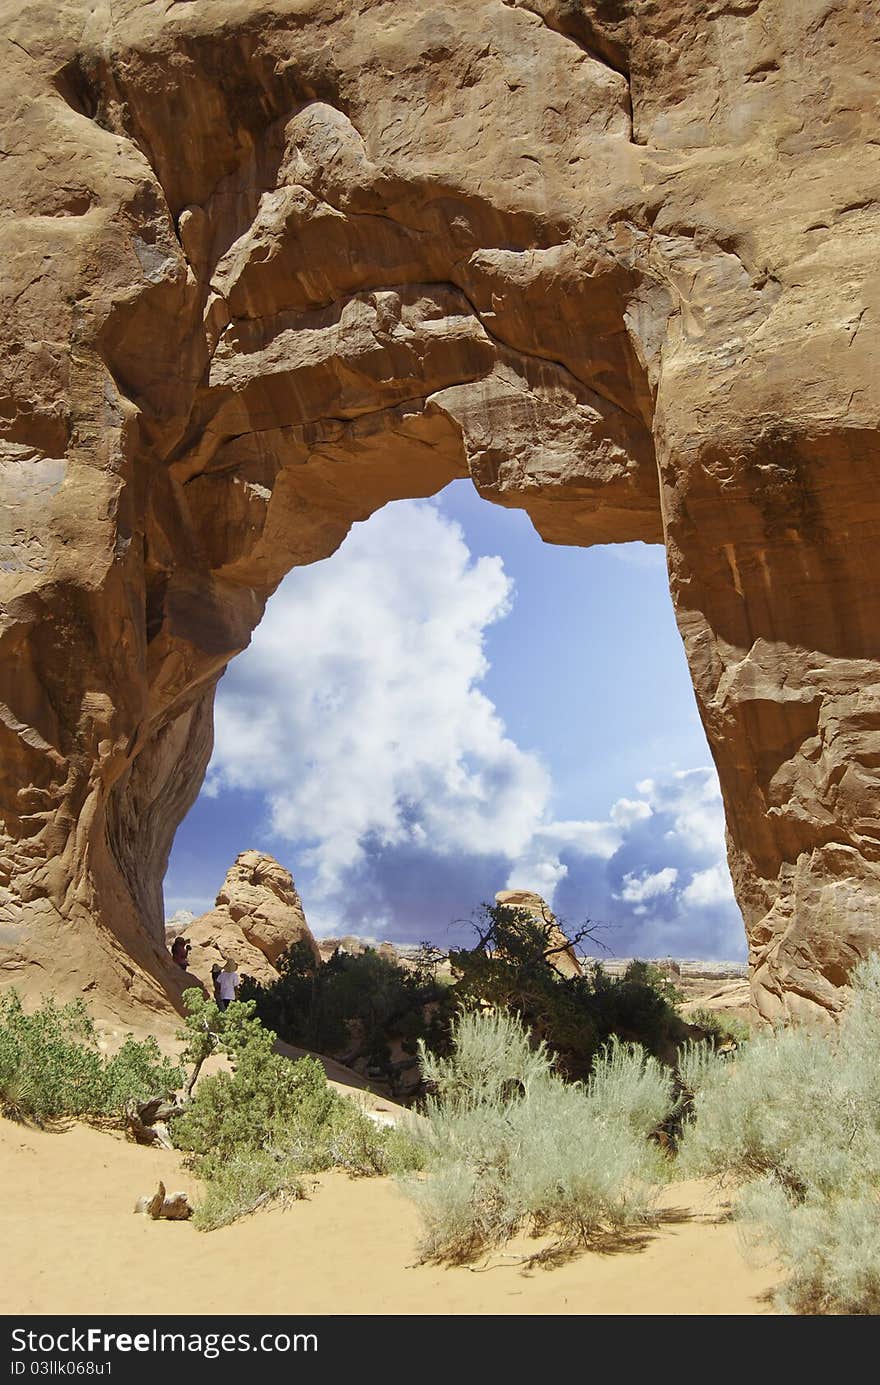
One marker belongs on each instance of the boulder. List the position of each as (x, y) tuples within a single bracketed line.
[(258, 914)]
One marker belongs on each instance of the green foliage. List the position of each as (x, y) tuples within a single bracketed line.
[(750, 1116), (829, 1247), (51, 1068), (253, 1132), (699, 1065), (629, 1085), (513, 967), (353, 1007), (508, 1144), (356, 1007), (649, 974), (721, 1027), (249, 1179), (208, 1029), (797, 1116)]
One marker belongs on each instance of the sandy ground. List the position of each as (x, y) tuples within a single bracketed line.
[(71, 1244)]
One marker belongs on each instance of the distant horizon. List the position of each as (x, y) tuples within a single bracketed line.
[(409, 946)]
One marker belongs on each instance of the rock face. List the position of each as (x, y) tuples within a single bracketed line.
[(267, 267), (562, 955), (257, 916)]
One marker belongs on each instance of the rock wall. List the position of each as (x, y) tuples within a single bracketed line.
[(268, 266)]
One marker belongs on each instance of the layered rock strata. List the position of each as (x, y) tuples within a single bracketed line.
[(268, 266)]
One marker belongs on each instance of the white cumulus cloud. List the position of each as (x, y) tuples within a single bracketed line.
[(710, 886), (638, 888), (626, 811), (357, 711), (359, 719)]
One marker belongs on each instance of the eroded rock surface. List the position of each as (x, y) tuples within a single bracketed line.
[(266, 267), (257, 915)]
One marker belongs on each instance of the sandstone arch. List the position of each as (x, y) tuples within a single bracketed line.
[(270, 265)]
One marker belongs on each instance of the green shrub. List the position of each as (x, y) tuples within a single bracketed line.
[(353, 1006), (513, 968), (699, 1066), (722, 1027), (649, 974), (772, 1111), (51, 1068), (829, 1247), (796, 1116), (508, 1144), (252, 1133), (248, 1179)]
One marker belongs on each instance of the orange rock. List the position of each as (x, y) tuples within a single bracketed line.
[(257, 916), (623, 274), (561, 954)]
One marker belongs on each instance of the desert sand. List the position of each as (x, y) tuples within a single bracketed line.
[(71, 1244)]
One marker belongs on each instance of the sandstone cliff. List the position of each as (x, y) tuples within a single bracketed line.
[(268, 266)]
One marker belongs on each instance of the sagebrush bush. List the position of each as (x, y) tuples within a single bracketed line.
[(788, 1107), (797, 1116), (627, 1084), (252, 1133), (508, 1144), (828, 1246), (52, 1069)]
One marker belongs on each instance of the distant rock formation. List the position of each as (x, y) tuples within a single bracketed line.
[(258, 914), (564, 960), (178, 923)]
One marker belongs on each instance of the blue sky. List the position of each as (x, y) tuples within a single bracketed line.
[(448, 707)]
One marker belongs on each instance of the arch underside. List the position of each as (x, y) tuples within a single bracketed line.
[(282, 268)]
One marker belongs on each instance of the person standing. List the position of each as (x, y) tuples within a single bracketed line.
[(180, 952), (227, 984)]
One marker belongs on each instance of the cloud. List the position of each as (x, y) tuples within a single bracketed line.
[(358, 712), (666, 890), (626, 811), (392, 787), (707, 887), (636, 889)]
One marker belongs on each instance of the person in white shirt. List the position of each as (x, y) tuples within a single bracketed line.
[(227, 984)]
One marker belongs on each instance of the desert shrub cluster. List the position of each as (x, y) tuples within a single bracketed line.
[(508, 1139), (52, 1069), (362, 1008), (510, 1145), (514, 967), (253, 1132), (721, 1028), (795, 1121), (354, 1007)]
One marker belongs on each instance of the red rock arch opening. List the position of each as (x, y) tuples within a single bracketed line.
[(269, 271)]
